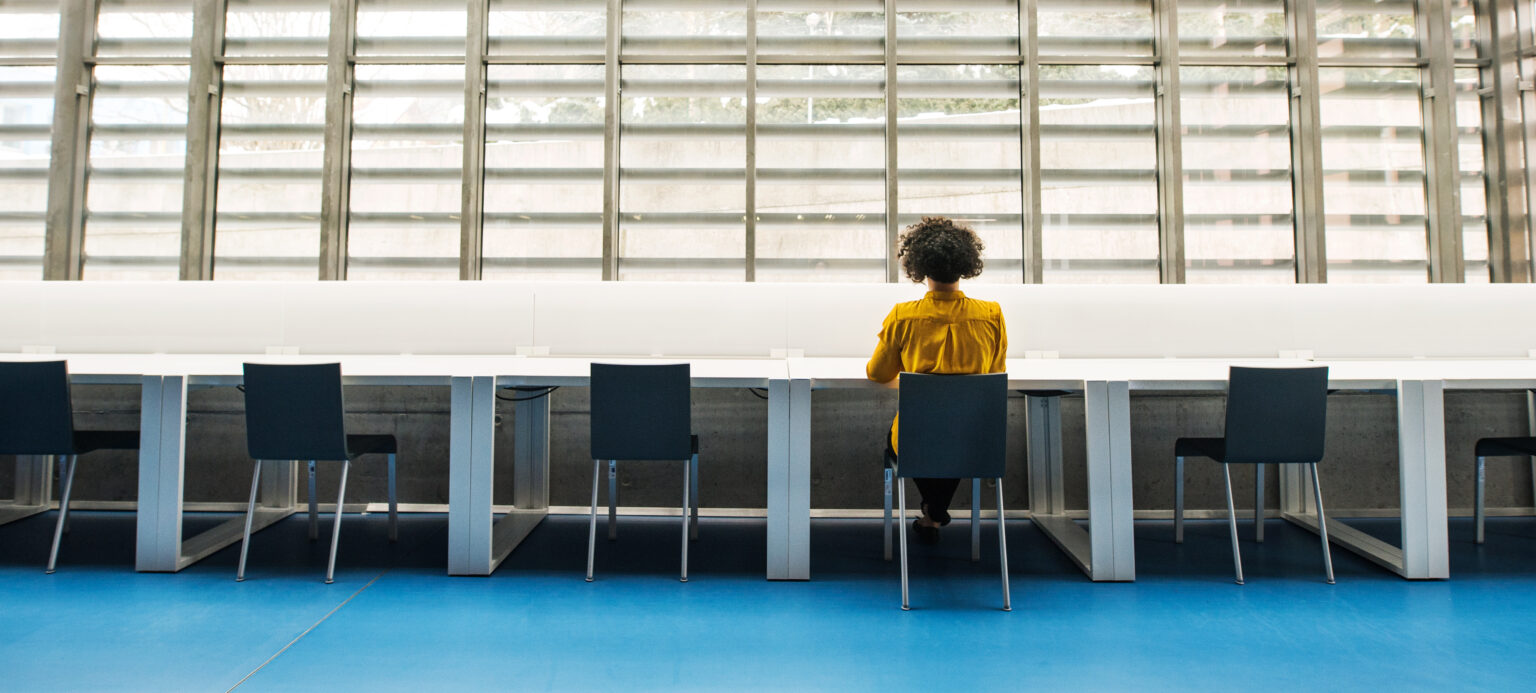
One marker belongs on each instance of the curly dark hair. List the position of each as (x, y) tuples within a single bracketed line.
[(940, 249)]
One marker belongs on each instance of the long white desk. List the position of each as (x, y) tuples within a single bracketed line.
[(477, 543), (1106, 551)]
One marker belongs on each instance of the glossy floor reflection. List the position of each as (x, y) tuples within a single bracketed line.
[(394, 622)]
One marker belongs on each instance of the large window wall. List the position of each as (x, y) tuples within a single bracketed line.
[(1113, 141)]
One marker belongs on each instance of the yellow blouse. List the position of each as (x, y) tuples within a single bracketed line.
[(945, 332)]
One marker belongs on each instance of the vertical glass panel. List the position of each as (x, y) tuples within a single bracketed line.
[(1464, 28), (685, 27), (955, 28), (544, 172), (1474, 193), (1095, 27), (407, 163), (271, 151), (1373, 175), (159, 28), (821, 173), (958, 155), (277, 27), (1366, 29), (1098, 174), (135, 171), (682, 172), (1237, 175), (29, 29), (548, 27), (410, 27), (1231, 28), (26, 116), (829, 28)]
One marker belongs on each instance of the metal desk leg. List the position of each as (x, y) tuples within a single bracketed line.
[(1107, 410), (789, 479), (162, 447), (1421, 461), (471, 445), (33, 488)]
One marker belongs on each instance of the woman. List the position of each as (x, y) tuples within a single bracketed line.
[(945, 332)]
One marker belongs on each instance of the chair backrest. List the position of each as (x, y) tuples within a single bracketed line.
[(35, 411), (641, 412), (1276, 414), (953, 426), (294, 412)]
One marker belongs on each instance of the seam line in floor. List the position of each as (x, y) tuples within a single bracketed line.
[(307, 631)]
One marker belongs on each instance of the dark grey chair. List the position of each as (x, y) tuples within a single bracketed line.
[(1274, 416), (37, 418), (1498, 447), (642, 412), (952, 427), (295, 412)]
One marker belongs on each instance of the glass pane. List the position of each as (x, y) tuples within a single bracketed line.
[(1373, 175), (682, 175), (1474, 193), (952, 28), (544, 172), (159, 28), (29, 29), (1237, 175), (1366, 29), (1095, 27), (830, 28), (282, 27), (407, 163), (271, 150), (26, 116), (958, 155), (1098, 174), (821, 173), (548, 27), (1464, 28), (134, 174), (697, 28), (1231, 28), (410, 27)]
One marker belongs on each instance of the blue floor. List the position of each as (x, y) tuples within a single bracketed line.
[(394, 622)]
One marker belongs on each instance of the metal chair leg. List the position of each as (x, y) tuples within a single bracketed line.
[(72, 461), (1178, 500), (250, 512), (1322, 525), (1002, 545), (597, 467), (687, 486), (1237, 557), (901, 495), (314, 506), (613, 499), (1478, 506), (888, 474), (57, 463), (975, 520), (394, 504), (341, 496), (693, 531), (1258, 504)]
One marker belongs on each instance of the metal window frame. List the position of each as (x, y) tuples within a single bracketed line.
[(336, 178), (1306, 143), (1030, 208), (472, 187), (1509, 258), (205, 86), (64, 230), (1170, 144), (1442, 167)]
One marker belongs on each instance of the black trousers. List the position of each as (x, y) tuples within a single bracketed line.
[(936, 493)]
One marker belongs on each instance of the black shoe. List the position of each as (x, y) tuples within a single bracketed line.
[(941, 519), (925, 534)]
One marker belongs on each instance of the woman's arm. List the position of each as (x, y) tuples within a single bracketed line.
[(885, 364), (1000, 359)]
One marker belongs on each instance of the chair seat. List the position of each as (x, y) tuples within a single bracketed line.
[(89, 441), (1214, 448), (1496, 447), (371, 444)]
